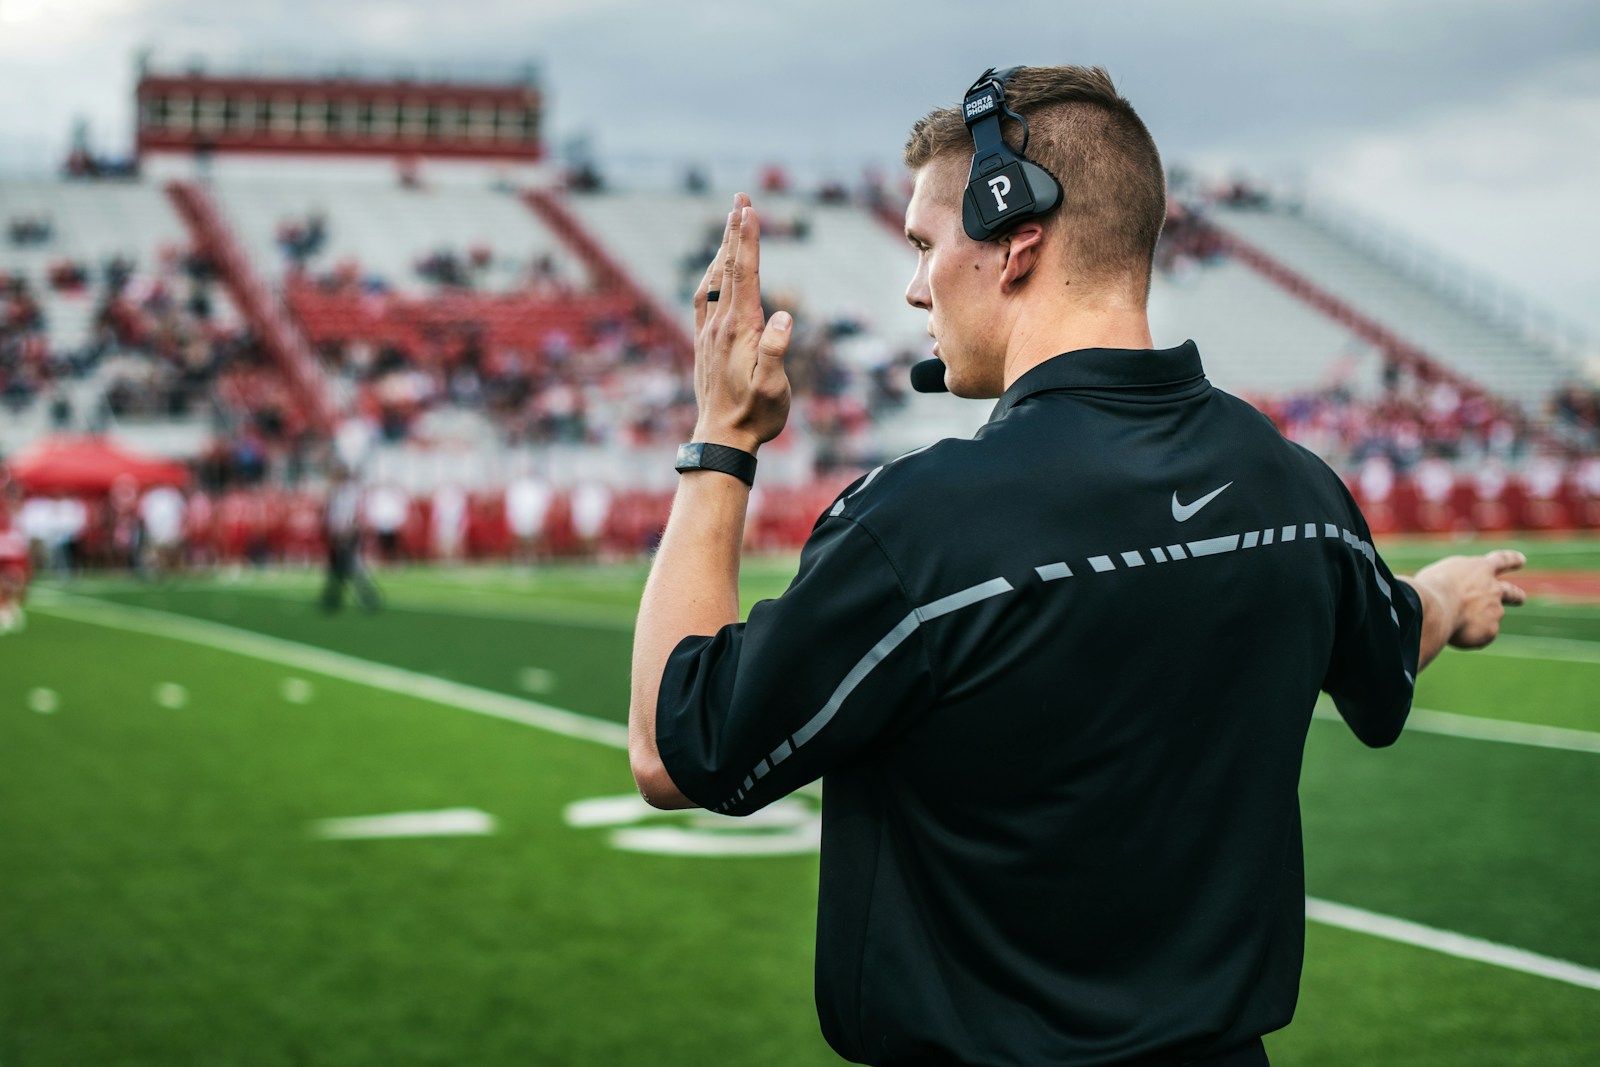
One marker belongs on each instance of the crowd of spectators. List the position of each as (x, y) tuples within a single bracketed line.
[(84, 165), (1411, 418), (29, 229), (301, 238), (1575, 416), (161, 344), (28, 366), (600, 376), (615, 383), (1187, 240)]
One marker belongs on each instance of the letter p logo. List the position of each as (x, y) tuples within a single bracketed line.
[(1000, 185)]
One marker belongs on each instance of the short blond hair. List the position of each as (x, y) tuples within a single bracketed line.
[(1114, 191)]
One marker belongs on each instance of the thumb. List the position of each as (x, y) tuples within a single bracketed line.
[(774, 343)]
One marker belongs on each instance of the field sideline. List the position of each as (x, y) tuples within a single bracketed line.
[(169, 753)]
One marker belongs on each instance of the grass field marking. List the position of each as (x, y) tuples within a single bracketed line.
[(789, 826), (552, 610), (335, 665), (450, 822), (1451, 944), (1563, 649), (1477, 728), (171, 695)]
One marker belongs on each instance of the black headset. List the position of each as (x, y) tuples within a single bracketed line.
[(1003, 187)]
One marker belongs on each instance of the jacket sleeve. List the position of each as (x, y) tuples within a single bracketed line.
[(811, 681)]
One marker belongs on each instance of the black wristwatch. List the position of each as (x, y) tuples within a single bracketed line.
[(702, 456)]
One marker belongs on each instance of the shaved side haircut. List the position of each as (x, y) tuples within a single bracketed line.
[(1081, 130)]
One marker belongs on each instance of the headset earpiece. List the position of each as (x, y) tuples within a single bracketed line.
[(1003, 187)]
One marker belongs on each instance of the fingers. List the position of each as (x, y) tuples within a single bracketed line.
[(1505, 559), (707, 282), (744, 281), (715, 279), (730, 250)]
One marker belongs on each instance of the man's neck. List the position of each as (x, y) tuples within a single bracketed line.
[(1073, 329)]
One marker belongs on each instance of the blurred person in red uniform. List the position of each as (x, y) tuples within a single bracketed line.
[(15, 570)]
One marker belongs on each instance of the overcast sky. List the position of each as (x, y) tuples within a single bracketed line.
[(1473, 124)]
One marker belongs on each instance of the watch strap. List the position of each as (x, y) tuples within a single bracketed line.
[(704, 456)]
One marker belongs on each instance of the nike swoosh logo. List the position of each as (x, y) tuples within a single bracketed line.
[(1185, 512)]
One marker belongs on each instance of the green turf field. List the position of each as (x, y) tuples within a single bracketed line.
[(169, 754)]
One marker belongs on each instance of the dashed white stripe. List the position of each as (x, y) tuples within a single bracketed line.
[(1211, 546), (1051, 572), (876, 655), (864, 666), (1101, 564), (1451, 944), (838, 508), (1133, 559)]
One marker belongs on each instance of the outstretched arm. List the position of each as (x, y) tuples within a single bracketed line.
[(743, 398), (1463, 599)]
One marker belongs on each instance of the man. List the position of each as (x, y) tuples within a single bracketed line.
[(341, 530), (1058, 677), (161, 512), (15, 567)]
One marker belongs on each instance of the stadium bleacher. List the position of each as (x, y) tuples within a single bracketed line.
[(132, 335), (1254, 337), (387, 230), (477, 328), (1453, 331), (90, 224)]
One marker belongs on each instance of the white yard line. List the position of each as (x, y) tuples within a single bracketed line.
[(336, 665), (572, 724), (1478, 728), (1451, 944), (1561, 649), (546, 610)]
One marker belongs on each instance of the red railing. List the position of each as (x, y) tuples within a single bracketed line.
[(261, 308), (1391, 344), (609, 274)]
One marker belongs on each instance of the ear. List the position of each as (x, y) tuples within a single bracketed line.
[(1022, 253)]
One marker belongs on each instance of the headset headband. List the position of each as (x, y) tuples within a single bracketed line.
[(1003, 187)]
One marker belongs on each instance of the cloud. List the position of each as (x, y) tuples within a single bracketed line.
[(1508, 189), (1406, 105)]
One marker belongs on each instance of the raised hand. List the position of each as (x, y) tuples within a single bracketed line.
[(740, 386)]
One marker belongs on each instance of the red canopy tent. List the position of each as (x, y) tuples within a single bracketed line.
[(89, 465)]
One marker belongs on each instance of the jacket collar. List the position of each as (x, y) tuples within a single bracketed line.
[(1151, 370)]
